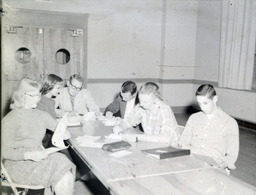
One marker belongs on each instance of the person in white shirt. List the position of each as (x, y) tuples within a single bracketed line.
[(74, 99), (124, 103), (211, 132), (156, 117)]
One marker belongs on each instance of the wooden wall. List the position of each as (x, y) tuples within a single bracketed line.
[(43, 34)]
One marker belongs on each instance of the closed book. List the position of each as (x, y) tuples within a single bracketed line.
[(116, 146), (166, 152)]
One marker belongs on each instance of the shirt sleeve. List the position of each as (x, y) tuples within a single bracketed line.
[(9, 129), (232, 137), (90, 103), (185, 138), (136, 116), (50, 122), (168, 132), (114, 107)]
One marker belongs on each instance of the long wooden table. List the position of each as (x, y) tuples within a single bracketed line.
[(139, 174)]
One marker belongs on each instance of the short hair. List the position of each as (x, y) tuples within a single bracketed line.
[(150, 87), (76, 77), (25, 85), (129, 86), (206, 90), (50, 81)]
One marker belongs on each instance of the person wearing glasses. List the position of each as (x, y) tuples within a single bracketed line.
[(24, 157), (74, 99), (211, 132), (124, 103)]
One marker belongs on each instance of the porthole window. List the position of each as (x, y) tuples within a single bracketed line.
[(62, 56), (23, 55)]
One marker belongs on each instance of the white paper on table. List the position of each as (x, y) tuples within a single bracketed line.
[(89, 141), (87, 138), (120, 153), (110, 121), (113, 136), (58, 135), (74, 121), (89, 116), (91, 144)]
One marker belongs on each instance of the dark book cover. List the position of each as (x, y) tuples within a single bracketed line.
[(166, 152), (116, 146)]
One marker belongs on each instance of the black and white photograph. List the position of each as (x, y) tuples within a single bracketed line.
[(128, 97)]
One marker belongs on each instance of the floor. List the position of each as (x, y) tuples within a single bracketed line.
[(245, 171)]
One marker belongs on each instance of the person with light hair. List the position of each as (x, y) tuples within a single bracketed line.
[(23, 130), (211, 132), (156, 117), (74, 99)]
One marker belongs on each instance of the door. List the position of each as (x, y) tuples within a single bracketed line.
[(63, 52), (22, 51)]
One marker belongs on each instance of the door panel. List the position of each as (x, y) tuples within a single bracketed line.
[(61, 40), (19, 62)]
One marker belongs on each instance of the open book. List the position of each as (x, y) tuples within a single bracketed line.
[(166, 152)]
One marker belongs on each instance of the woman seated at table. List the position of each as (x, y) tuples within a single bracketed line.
[(50, 89), (22, 132), (156, 117)]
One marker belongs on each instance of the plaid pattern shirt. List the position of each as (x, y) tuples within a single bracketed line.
[(159, 123)]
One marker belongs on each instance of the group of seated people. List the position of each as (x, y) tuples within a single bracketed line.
[(36, 107)]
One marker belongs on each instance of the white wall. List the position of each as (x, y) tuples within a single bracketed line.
[(174, 42), (135, 42), (239, 104)]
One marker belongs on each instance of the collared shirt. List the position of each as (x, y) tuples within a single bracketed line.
[(83, 102), (217, 137), (129, 108), (159, 123)]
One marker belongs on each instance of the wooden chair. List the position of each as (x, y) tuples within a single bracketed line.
[(7, 181)]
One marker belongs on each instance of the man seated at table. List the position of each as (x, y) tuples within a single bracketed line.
[(211, 132), (124, 103), (156, 117), (74, 99)]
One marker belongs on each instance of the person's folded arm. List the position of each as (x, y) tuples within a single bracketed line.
[(232, 150), (90, 102), (184, 140)]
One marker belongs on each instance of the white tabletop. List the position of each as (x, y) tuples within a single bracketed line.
[(140, 174)]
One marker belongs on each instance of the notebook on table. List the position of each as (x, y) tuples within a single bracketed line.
[(166, 152)]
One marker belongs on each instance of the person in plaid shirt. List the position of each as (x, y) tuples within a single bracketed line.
[(156, 117)]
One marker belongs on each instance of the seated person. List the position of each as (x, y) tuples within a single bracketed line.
[(156, 117), (124, 103), (50, 89), (74, 99), (23, 155), (211, 132)]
